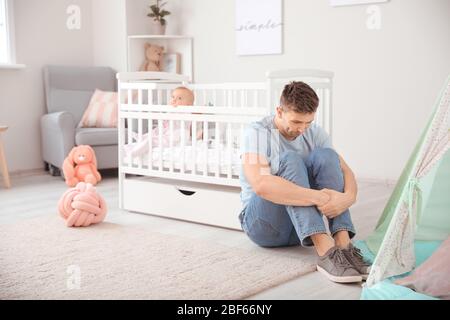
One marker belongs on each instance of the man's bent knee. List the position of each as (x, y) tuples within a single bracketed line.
[(292, 160), (291, 156), (320, 156), (264, 234), (293, 168)]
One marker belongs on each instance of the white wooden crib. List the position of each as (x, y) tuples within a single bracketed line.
[(196, 178)]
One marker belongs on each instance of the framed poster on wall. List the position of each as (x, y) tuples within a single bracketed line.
[(258, 27)]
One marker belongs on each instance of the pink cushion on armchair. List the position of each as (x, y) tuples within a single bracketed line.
[(102, 111)]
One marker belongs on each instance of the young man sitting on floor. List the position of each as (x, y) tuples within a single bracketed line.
[(291, 178)]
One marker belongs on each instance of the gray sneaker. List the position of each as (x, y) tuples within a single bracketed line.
[(335, 266), (356, 258)]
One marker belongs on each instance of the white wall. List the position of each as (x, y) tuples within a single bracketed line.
[(139, 23), (41, 38), (109, 33), (386, 81)]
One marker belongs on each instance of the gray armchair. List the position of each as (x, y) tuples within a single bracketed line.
[(68, 91)]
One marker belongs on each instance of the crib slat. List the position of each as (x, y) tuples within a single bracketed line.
[(229, 151), (217, 144), (159, 101), (171, 150), (130, 140), (122, 141), (255, 98), (168, 97), (150, 97), (140, 97), (194, 147), (130, 97), (183, 146), (139, 140), (150, 144), (205, 146)]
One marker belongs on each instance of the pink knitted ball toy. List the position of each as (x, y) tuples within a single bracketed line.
[(82, 206)]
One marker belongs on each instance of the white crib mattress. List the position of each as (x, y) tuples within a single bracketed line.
[(216, 157)]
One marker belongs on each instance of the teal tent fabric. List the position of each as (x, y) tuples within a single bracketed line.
[(422, 249), (419, 208), (387, 290), (433, 221), (416, 218)]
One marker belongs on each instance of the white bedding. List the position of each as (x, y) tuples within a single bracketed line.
[(216, 157)]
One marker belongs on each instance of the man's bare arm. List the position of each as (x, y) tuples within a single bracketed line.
[(277, 189), (350, 186), (341, 201)]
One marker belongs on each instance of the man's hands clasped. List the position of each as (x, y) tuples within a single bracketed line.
[(332, 203)]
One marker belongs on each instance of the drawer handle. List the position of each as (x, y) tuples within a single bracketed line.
[(186, 192)]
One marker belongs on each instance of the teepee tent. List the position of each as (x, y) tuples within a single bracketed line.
[(419, 208)]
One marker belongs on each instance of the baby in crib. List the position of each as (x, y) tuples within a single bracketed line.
[(181, 96)]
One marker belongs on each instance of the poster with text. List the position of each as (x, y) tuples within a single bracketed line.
[(258, 27)]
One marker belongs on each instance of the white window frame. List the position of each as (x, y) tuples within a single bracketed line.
[(10, 39)]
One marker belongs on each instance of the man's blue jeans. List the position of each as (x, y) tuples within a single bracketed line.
[(274, 225)]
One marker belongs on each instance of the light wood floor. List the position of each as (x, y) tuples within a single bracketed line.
[(38, 194)]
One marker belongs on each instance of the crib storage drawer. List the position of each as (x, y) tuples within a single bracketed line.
[(208, 204)]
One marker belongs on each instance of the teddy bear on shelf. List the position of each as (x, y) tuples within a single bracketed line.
[(153, 58), (81, 166)]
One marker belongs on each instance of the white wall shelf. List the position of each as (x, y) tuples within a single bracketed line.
[(158, 37), (12, 66), (172, 44)]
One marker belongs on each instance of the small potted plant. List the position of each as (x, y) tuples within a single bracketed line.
[(158, 15)]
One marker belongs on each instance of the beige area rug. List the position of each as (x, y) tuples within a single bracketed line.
[(42, 259)]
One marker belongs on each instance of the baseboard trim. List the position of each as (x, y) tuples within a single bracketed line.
[(388, 182), (27, 173)]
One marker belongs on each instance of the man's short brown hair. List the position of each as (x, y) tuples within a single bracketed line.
[(299, 97)]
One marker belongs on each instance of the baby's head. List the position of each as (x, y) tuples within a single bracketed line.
[(182, 96)]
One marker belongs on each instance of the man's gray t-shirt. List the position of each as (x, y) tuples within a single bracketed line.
[(263, 138)]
